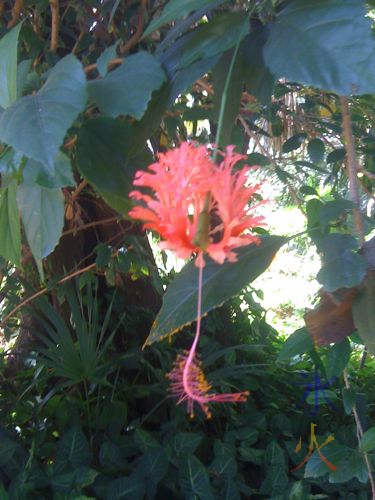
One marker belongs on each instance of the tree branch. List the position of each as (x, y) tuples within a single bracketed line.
[(16, 11), (352, 167), (55, 10)]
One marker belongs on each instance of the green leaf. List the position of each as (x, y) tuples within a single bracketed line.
[(349, 466), (108, 54), (8, 67), (214, 37), (234, 92), (321, 397), (298, 343), (102, 150), (194, 480), (185, 443), (220, 282), (276, 478), (316, 150), (36, 173), (125, 488), (294, 142), (323, 43), (42, 212), (333, 452), (337, 358), (73, 450), (364, 313), (333, 210), (224, 463), (127, 90), (259, 80), (367, 442), (308, 190), (257, 159), (36, 124), (342, 266), (153, 466), (23, 69), (176, 9), (10, 229), (336, 155), (348, 397)]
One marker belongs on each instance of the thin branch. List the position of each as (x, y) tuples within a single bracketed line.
[(78, 189), (359, 436), (55, 10), (43, 291), (89, 224), (16, 11), (352, 167), (112, 64)]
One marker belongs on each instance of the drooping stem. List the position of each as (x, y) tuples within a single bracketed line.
[(352, 167), (191, 356)]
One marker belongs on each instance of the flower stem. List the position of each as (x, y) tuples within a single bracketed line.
[(190, 359)]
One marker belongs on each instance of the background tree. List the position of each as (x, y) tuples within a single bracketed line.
[(91, 92)]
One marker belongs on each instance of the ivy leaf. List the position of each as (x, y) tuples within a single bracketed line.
[(324, 43), (42, 212), (10, 229), (124, 488), (220, 282), (73, 450), (8, 67), (194, 479), (127, 90), (35, 125)]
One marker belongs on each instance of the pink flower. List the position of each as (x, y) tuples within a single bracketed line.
[(186, 184), (197, 390)]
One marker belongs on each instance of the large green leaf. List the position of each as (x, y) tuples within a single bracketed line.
[(10, 230), (42, 212), (176, 9), (127, 90), (214, 37), (36, 173), (324, 43), (8, 67), (194, 480), (102, 148), (364, 313), (342, 266), (36, 124), (298, 343), (234, 92), (220, 282), (259, 80)]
